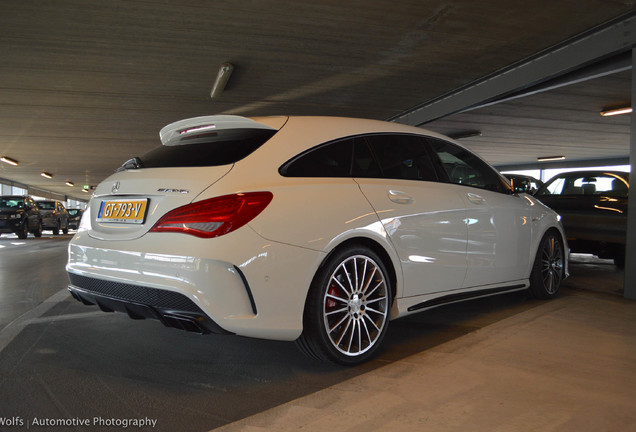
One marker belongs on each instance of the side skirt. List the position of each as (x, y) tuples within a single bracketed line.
[(458, 297)]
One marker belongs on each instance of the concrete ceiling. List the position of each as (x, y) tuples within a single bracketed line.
[(87, 84), (564, 121)]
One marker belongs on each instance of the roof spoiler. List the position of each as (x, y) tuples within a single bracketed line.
[(206, 128)]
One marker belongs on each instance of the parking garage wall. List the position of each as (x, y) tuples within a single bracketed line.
[(8, 187)]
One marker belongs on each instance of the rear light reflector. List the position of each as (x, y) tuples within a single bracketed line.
[(214, 217)]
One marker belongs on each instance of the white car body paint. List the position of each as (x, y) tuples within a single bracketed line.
[(442, 241)]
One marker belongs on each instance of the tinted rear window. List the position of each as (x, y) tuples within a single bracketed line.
[(45, 205), (229, 150), (396, 156), (330, 160)]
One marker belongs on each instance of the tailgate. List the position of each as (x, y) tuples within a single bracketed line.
[(127, 204)]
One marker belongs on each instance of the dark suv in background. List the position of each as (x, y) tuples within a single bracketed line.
[(20, 215), (54, 216), (593, 205)]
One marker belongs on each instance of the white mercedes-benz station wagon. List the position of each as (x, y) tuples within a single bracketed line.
[(314, 229)]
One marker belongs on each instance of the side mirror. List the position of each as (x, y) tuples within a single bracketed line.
[(513, 190)]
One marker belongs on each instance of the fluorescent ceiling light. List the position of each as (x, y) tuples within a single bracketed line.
[(46, 175), (69, 183), (8, 160), (222, 78), (616, 111), (550, 158)]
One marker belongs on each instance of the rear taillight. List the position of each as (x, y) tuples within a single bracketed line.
[(214, 217)]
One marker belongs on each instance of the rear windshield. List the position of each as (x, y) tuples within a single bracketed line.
[(232, 148)]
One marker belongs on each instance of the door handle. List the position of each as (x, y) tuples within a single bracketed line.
[(476, 199), (400, 197)]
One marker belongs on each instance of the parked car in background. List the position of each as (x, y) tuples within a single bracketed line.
[(74, 217), (20, 215), (54, 216), (524, 183), (314, 229), (593, 207)]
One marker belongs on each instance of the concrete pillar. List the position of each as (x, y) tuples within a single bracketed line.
[(630, 261)]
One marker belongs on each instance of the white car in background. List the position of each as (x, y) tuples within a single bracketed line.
[(314, 229)]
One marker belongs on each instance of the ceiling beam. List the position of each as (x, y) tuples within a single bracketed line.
[(600, 43)]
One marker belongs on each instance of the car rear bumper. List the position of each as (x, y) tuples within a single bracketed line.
[(239, 283)]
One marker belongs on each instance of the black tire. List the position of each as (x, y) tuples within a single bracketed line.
[(56, 229), (619, 259), (24, 232), (38, 230), (65, 229), (347, 308), (548, 268)]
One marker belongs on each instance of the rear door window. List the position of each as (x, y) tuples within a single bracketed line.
[(328, 160), (395, 156), (403, 157)]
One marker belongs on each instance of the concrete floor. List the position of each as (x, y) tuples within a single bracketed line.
[(566, 365), (503, 363)]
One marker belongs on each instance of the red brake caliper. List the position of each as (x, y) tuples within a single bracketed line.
[(331, 303)]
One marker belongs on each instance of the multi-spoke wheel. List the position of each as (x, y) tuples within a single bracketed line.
[(347, 310), (547, 272)]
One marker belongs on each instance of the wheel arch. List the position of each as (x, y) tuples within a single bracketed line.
[(374, 246), (564, 244), (314, 341)]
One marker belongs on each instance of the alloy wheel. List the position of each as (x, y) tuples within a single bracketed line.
[(355, 305), (551, 264)]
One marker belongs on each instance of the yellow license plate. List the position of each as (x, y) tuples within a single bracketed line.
[(123, 211)]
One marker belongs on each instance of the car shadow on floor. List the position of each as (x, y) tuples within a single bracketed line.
[(107, 364)]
